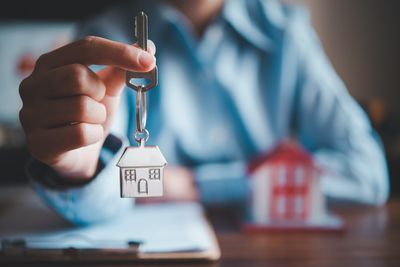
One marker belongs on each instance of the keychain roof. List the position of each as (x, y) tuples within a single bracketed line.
[(133, 157)]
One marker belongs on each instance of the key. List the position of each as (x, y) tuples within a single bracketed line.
[(141, 32), (142, 81)]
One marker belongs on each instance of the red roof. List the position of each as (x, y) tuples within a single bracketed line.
[(286, 151)]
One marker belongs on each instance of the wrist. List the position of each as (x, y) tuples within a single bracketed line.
[(45, 175), (79, 166)]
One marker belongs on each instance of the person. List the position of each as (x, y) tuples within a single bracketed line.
[(235, 78)]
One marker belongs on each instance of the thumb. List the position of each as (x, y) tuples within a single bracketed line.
[(114, 77)]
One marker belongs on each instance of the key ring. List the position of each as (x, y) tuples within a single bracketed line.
[(141, 137), (141, 109), (141, 134)]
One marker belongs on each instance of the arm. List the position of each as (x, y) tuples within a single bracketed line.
[(222, 183), (332, 125), (68, 111)]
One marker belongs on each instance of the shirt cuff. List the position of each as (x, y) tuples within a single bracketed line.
[(92, 201), (222, 184)]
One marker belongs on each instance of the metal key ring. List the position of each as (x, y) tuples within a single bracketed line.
[(141, 137), (141, 110)]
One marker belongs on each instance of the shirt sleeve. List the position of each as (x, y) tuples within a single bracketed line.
[(332, 125), (94, 201), (97, 200), (222, 183)]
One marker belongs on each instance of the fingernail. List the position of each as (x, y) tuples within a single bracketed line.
[(151, 47), (145, 59)]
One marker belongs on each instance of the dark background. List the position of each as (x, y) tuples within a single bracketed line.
[(361, 37), (52, 10)]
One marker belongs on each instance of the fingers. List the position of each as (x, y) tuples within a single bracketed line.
[(45, 144), (70, 80), (99, 51), (114, 78), (67, 106), (77, 79), (63, 111)]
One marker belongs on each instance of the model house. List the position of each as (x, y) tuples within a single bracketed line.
[(141, 171), (285, 187)]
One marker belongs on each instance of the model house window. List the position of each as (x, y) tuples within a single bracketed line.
[(281, 205), (299, 176), (281, 174), (154, 174), (298, 204), (130, 175)]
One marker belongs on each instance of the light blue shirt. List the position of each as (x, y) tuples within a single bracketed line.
[(257, 76)]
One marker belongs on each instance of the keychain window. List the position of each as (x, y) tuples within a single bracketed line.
[(130, 175), (154, 174)]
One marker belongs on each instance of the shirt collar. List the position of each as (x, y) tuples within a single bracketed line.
[(256, 22)]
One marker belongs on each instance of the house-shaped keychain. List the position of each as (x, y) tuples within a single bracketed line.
[(141, 171)]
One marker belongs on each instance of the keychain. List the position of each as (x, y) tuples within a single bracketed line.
[(141, 167)]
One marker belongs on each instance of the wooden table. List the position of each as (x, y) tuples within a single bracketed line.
[(372, 239)]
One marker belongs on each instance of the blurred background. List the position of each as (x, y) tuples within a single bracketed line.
[(361, 37)]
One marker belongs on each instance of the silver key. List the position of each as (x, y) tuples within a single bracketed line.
[(142, 81), (141, 31)]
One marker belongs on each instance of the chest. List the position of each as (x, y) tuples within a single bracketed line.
[(222, 104)]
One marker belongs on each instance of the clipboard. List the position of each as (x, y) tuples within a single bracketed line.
[(183, 234), (19, 251)]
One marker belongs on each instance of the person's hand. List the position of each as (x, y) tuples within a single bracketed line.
[(179, 186), (68, 109)]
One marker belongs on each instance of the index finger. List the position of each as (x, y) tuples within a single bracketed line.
[(93, 50)]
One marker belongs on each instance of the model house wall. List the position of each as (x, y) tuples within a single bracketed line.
[(285, 188), (142, 181)]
